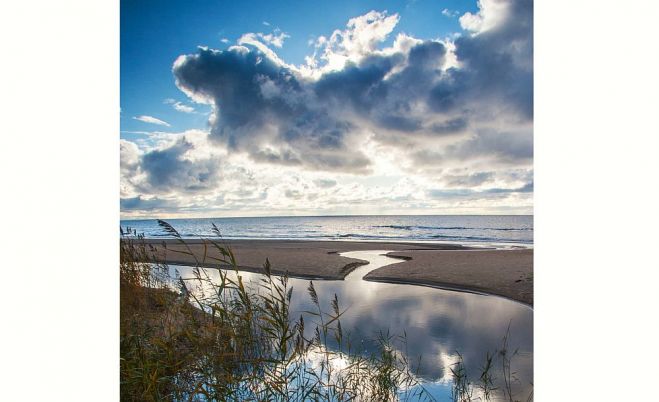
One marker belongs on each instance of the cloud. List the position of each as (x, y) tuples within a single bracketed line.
[(184, 165), (183, 108), (491, 14), (462, 99), (478, 194), (145, 204), (169, 169), (275, 38), (179, 107), (469, 180), (526, 188), (152, 120), (325, 183), (454, 114), (239, 188), (451, 14), (360, 39), (294, 194), (262, 108), (129, 155)]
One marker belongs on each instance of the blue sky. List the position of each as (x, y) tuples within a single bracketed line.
[(417, 106)]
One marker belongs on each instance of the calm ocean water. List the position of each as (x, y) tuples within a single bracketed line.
[(472, 229)]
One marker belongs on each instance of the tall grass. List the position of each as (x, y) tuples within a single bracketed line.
[(238, 342)]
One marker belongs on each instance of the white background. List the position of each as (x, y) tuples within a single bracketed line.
[(596, 157)]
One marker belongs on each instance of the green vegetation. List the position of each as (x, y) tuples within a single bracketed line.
[(236, 342)]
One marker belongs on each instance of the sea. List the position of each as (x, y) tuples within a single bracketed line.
[(474, 230)]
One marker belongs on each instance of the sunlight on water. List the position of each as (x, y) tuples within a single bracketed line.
[(501, 230)]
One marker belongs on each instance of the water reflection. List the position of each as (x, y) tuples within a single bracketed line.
[(438, 323)]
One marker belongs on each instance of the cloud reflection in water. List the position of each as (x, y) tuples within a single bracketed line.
[(438, 323)]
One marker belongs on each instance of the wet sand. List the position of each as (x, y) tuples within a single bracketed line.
[(507, 273)]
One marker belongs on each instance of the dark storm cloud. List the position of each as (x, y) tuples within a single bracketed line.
[(402, 97)]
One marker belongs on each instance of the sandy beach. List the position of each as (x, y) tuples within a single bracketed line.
[(507, 273)]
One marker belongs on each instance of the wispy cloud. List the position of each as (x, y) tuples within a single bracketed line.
[(276, 38), (449, 13), (178, 106), (152, 120)]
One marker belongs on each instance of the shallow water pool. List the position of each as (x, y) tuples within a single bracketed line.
[(437, 324)]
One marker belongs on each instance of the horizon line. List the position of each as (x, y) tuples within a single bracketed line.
[(317, 216)]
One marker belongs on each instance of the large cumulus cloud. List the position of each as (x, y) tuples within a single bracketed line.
[(263, 108), (460, 98), (454, 115)]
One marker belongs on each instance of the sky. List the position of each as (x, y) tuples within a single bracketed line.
[(259, 108)]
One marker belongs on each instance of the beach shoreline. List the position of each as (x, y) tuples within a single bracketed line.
[(506, 273)]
